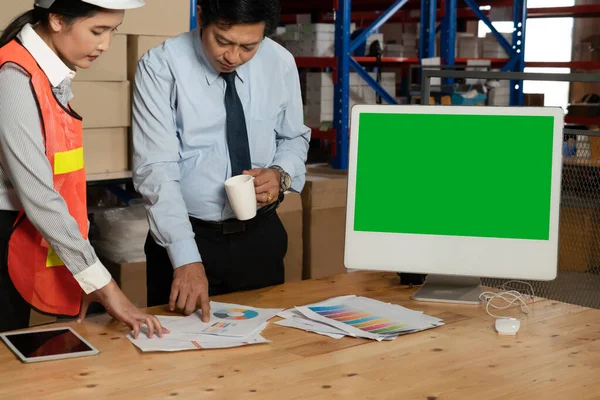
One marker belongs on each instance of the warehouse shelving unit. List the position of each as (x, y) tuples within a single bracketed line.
[(429, 13), (331, 62), (428, 74)]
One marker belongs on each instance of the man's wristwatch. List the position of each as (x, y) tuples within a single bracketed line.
[(286, 179)]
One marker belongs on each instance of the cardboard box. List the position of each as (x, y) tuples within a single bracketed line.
[(595, 146), (131, 278), (11, 9), (106, 150), (581, 89), (324, 214), (392, 32), (534, 99), (102, 104), (153, 20), (137, 46), (290, 213), (591, 48), (579, 240), (111, 66), (590, 110), (324, 169)]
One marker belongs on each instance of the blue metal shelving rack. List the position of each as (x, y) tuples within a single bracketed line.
[(193, 14), (344, 48)]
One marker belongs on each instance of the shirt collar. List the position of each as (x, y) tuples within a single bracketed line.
[(49, 62), (211, 73), (242, 72)]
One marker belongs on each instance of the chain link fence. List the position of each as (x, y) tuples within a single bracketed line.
[(578, 280)]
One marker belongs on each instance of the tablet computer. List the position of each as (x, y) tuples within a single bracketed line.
[(48, 344)]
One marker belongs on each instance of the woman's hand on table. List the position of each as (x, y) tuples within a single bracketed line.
[(119, 307)]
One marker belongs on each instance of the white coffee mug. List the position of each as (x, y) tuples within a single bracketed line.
[(242, 196)]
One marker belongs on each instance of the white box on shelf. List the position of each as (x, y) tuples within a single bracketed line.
[(323, 108), (388, 77), (319, 79), (291, 35), (317, 48), (373, 38), (303, 18), (311, 28), (432, 62), (468, 46), (492, 48), (355, 79), (293, 47), (496, 99), (393, 50), (477, 65), (498, 13), (410, 38), (369, 96), (314, 117), (319, 95)]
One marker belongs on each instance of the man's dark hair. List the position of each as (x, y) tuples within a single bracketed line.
[(226, 13)]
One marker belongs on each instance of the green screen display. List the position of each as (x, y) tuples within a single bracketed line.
[(455, 175)]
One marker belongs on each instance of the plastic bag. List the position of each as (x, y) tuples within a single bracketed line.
[(121, 234)]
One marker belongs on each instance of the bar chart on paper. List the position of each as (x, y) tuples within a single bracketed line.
[(361, 320), (217, 327), (363, 317)]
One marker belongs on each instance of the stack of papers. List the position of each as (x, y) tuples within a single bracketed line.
[(357, 317), (230, 325)]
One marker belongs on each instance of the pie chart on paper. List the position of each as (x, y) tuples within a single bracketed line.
[(235, 314)]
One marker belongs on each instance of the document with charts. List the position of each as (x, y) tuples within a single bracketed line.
[(232, 320), (368, 318)]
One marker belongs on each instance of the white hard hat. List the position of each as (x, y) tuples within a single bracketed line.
[(109, 4)]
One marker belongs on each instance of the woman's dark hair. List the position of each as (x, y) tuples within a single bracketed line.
[(70, 10), (226, 13)]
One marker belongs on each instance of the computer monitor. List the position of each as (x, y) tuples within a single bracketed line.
[(456, 193)]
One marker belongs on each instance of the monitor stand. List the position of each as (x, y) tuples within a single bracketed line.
[(450, 289)]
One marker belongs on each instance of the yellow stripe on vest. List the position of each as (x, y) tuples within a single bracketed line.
[(53, 260), (68, 161)]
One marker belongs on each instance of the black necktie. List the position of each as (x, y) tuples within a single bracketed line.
[(237, 134)]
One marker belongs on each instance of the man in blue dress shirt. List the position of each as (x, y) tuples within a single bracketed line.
[(212, 103)]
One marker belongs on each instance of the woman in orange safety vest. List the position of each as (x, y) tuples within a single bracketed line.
[(46, 260)]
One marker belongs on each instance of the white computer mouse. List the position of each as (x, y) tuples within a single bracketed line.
[(508, 326)]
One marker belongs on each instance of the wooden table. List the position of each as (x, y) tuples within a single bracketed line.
[(556, 355)]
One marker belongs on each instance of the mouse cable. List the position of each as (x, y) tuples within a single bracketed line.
[(509, 296)]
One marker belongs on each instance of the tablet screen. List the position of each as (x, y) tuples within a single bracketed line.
[(47, 343)]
